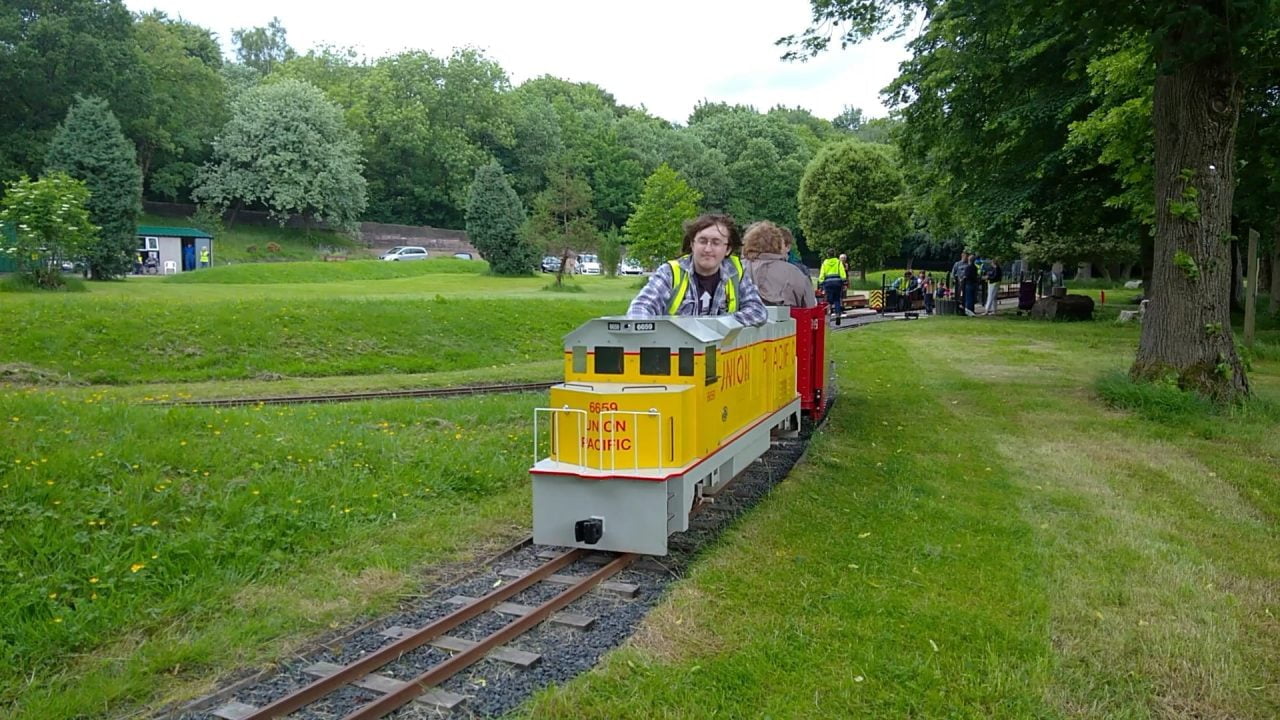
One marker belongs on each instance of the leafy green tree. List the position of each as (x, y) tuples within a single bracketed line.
[(50, 50), (428, 124), (563, 219), (851, 200), (51, 224), (878, 130), (494, 218), (655, 231), (1200, 48), (812, 131), (185, 105), (588, 118), (850, 119), (653, 141), (262, 48), (537, 147), (89, 146), (286, 149), (765, 185), (765, 157)]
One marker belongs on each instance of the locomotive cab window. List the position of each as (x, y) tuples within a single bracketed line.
[(579, 358), (608, 360), (655, 361), (686, 361), (710, 358)]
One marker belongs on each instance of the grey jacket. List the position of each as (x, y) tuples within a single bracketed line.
[(779, 282)]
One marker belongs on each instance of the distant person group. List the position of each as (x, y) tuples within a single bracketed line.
[(966, 274)]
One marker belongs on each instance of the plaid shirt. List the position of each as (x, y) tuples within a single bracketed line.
[(655, 298)]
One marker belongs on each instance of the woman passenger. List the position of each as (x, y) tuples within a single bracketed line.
[(779, 281)]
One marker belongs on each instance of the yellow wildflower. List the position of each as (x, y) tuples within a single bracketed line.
[(136, 567)]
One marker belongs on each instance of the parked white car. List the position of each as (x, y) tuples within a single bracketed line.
[(630, 267), (588, 265)]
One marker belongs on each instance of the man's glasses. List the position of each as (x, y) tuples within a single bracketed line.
[(708, 242)]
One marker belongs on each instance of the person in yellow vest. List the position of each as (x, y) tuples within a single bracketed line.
[(834, 277), (204, 256), (707, 280)]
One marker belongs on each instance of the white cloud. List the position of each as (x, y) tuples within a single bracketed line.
[(665, 54)]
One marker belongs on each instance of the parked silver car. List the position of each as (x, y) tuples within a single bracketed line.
[(404, 252)]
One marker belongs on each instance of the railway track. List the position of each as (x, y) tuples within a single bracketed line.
[(453, 391), (392, 693), (481, 644)]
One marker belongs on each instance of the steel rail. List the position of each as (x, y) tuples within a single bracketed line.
[(367, 664), (462, 660), (367, 395)]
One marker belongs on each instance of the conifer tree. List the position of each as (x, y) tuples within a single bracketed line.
[(90, 146), (494, 217)]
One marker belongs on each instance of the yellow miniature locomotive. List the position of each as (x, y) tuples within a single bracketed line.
[(652, 414)]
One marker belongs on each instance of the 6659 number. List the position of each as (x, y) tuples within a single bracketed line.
[(597, 407)]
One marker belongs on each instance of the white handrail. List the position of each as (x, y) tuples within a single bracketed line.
[(582, 429)]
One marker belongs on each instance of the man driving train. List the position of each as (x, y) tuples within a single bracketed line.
[(707, 280)]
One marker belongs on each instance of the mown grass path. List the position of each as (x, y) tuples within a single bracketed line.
[(975, 534)]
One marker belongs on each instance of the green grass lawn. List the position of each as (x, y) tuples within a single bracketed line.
[(991, 524), (147, 330), (976, 533)]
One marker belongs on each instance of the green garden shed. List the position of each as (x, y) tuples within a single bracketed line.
[(175, 249)]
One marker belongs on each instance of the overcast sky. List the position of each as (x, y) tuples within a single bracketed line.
[(663, 54)]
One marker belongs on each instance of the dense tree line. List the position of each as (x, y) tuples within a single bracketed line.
[(407, 132)]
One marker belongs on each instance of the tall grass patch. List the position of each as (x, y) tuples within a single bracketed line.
[(1153, 401), (18, 283)]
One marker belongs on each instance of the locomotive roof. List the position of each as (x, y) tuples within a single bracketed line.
[(666, 331)]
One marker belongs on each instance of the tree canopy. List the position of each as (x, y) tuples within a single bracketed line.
[(286, 148), (851, 201)]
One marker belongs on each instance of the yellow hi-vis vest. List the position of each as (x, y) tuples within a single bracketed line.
[(681, 282)]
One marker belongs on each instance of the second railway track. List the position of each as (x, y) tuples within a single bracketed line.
[(453, 391)]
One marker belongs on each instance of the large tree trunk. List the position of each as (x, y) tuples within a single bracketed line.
[(1148, 250), (1186, 333)]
